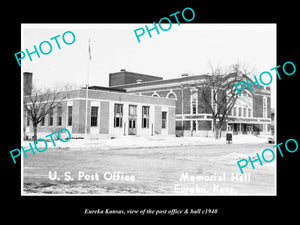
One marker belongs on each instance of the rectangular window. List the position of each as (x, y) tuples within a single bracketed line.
[(69, 116), (249, 112), (194, 101), (94, 116), (215, 108), (131, 124), (43, 118), (59, 115), (43, 121), (264, 107), (132, 111), (145, 116), (214, 99), (234, 111), (50, 122), (118, 115), (244, 112), (240, 111), (194, 125), (28, 119), (164, 120)]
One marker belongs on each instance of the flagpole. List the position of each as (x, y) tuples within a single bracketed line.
[(86, 92)]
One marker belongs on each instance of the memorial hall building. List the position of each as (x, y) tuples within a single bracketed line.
[(251, 113)]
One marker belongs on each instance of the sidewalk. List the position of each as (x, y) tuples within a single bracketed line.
[(125, 142)]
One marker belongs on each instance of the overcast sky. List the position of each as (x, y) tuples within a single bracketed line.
[(188, 48)]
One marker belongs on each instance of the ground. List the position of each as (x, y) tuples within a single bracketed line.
[(149, 170)]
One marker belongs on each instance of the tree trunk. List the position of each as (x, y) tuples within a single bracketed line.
[(34, 132), (216, 129), (218, 133)]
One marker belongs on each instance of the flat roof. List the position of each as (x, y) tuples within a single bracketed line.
[(186, 79), (134, 73), (156, 82), (95, 87)]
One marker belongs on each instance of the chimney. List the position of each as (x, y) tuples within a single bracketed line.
[(123, 70), (184, 75), (27, 83)]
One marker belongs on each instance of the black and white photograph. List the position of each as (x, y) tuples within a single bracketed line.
[(105, 114), (140, 110)]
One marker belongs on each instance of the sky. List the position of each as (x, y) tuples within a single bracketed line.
[(188, 48)]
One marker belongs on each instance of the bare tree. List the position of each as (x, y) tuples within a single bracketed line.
[(41, 103), (66, 86), (219, 94)]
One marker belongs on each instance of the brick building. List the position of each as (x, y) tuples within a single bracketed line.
[(251, 113), (126, 77), (111, 112)]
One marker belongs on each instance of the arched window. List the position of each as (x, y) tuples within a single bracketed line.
[(171, 95), (155, 94)]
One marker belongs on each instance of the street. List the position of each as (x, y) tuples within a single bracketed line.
[(199, 170)]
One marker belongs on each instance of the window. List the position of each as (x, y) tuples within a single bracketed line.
[(240, 111), (59, 116), (194, 125), (234, 111), (214, 99), (69, 116), (132, 111), (171, 95), (27, 119), (43, 121), (50, 122), (164, 120), (215, 108), (44, 117), (249, 112), (264, 107), (94, 116), (244, 112), (194, 101), (145, 116), (132, 124), (118, 115)]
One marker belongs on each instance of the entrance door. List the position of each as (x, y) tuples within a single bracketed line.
[(235, 128), (249, 129), (132, 117), (244, 128)]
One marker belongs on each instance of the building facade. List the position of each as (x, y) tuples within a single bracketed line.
[(251, 113), (110, 113)]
